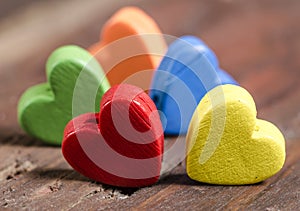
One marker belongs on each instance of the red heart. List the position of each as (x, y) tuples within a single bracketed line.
[(120, 146)]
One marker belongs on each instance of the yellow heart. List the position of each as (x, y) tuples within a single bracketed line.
[(227, 144)]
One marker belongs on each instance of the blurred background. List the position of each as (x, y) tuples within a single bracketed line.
[(256, 41)]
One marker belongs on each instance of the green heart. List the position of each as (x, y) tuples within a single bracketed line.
[(76, 83)]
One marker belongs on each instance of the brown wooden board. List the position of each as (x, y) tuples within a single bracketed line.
[(258, 42)]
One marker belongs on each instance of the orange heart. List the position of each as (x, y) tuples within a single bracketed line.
[(131, 47)]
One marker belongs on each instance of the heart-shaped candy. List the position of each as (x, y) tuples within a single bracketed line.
[(45, 109), (227, 145), (187, 72), (120, 146), (130, 48)]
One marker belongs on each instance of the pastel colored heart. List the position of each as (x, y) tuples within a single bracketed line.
[(186, 73), (130, 47), (227, 144), (45, 109), (120, 146)]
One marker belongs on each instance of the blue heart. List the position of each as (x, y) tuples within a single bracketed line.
[(187, 72)]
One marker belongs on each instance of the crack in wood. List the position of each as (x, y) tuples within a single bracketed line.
[(105, 193), (56, 186), (116, 192), (17, 168)]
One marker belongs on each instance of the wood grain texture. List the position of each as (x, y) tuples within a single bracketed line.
[(256, 41)]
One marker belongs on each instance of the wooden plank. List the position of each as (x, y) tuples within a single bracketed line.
[(184, 193), (256, 41), (49, 179)]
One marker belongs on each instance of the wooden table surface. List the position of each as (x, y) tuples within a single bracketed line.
[(258, 42)]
